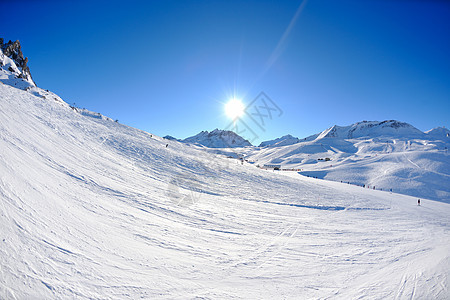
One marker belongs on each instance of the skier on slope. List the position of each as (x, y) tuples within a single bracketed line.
[(418, 202)]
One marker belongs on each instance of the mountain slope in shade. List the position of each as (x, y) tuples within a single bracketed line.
[(171, 138), (218, 139)]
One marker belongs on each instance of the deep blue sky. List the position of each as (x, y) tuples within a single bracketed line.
[(167, 67)]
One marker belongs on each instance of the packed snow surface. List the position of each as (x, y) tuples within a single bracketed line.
[(92, 209)]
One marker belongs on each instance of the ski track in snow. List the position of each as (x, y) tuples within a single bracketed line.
[(87, 212)]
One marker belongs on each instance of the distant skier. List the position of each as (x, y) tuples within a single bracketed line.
[(167, 145), (418, 202)]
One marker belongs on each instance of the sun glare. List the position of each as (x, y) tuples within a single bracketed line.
[(234, 109)]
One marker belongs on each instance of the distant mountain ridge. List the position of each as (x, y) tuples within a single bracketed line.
[(218, 139), (364, 129), (383, 155), (371, 129), (282, 141)]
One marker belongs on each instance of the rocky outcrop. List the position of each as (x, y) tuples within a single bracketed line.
[(13, 50)]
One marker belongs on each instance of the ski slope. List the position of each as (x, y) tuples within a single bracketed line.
[(92, 209), (397, 157)]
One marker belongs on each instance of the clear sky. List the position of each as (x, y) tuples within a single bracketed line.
[(168, 67)]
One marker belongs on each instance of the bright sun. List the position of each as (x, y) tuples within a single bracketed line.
[(234, 109)]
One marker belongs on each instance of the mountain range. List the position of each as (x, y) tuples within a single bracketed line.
[(365, 129), (218, 139)]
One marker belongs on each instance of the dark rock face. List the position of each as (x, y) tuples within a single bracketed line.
[(14, 51)]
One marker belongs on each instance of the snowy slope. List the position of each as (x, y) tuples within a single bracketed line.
[(385, 155), (92, 209), (218, 139)]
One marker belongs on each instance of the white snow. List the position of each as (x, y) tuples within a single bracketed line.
[(92, 209)]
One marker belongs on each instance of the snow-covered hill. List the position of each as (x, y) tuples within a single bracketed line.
[(385, 155), (218, 139), (93, 209)]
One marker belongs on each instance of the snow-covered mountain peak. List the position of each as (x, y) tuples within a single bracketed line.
[(218, 139), (390, 128), (282, 141), (438, 132)]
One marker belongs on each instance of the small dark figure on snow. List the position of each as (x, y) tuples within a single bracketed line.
[(418, 202), (167, 145)]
